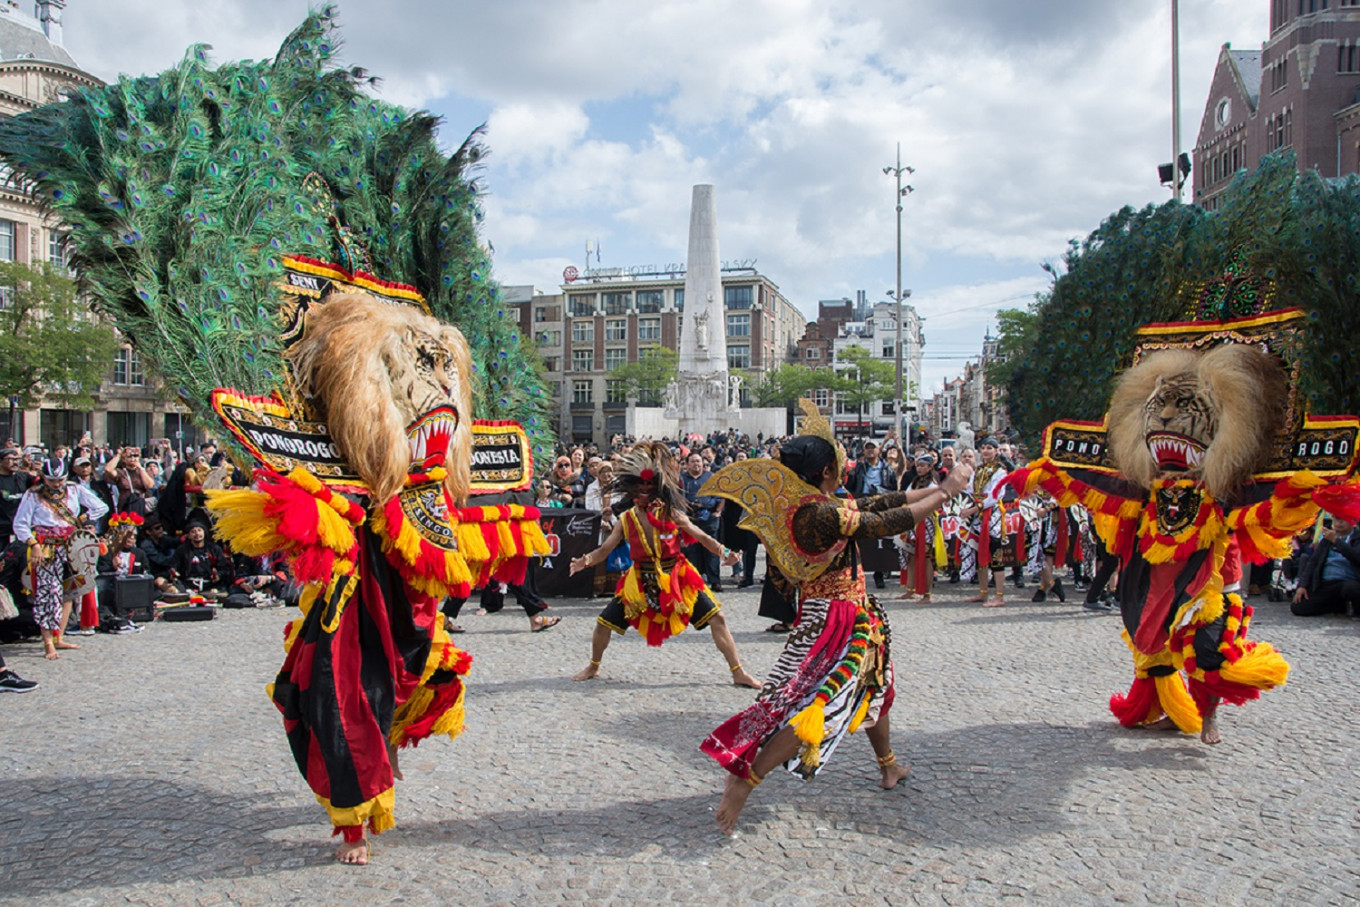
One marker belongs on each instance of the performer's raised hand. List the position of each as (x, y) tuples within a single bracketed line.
[(958, 479), (579, 563)]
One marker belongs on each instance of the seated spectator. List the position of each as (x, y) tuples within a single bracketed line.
[(123, 559), (544, 496), (1329, 581), (200, 565), (258, 583), (158, 549)]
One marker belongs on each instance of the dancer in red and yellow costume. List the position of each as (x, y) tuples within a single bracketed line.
[(661, 593), (1205, 459)]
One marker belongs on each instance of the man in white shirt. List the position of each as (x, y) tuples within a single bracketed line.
[(48, 515)]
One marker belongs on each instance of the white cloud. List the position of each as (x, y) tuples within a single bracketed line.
[(1027, 122)]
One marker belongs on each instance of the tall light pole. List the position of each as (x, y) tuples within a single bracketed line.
[(902, 192), (1175, 99)]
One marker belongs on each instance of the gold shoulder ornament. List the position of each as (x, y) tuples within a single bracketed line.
[(770, 494)]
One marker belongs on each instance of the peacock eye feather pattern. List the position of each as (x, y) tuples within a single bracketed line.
[(184, 190)]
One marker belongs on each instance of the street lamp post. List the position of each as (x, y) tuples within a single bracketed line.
[(902, 192)]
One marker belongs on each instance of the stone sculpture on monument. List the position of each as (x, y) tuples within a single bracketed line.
[(701, 398)]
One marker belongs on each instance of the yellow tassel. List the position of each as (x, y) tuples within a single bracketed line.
[(1177, 704), (334, 530), (506, 540), (860, 714), (1262, 668), (811, 756), (378, 811), (535, 542), (677, 624), (409, 711), (810, 723), (471, 543)]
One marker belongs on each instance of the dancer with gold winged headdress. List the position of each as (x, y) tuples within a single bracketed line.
[(835, 673), (661, 593)]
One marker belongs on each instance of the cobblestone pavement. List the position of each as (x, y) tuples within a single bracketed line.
[(151, 769)]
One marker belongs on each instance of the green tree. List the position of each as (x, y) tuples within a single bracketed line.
[(783, 386), (1017, 335), (647, 378), (50, 345), (864, 378)]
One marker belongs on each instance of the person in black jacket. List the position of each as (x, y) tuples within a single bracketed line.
[(201, 565), (871, 476), (1329, 582)]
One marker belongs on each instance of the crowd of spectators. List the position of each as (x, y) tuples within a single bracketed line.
[(153, 528)]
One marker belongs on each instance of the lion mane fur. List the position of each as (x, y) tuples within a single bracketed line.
[(345, 364), (1244, 387)]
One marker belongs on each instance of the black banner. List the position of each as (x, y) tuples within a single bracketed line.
[(571, 533)]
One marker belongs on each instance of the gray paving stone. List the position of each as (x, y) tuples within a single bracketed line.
[(151, 769)]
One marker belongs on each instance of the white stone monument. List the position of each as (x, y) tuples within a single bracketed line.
[(701, 399)]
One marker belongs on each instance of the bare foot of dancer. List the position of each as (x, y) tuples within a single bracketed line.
[(742, 679), (735, 792), (539, 623), (893, 772), (63, 644), (589, 672), (50, 653), (995, 602), (394, 760), (1209, 730), (355, 854), (1161, 724)]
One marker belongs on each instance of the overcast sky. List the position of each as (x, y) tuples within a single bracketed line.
[(1027, 121)]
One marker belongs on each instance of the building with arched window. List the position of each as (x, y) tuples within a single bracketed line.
[(1300, 90)]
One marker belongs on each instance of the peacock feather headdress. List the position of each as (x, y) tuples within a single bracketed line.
[(195, 198)]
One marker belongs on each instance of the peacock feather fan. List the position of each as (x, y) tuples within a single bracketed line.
[(1280, 239), (184, 191)]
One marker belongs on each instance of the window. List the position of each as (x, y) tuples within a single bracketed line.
[(56, 249), (739, 325), (550, 338), (127, 368), (649, 329), (547, 313), (650, 301), (582, 305), (583, 331), (614, 357), (738, 356), (616, 329), (822, 397), (6, 240), (812, 352), (616, 303), (583, 360), (552, 363), (615, 392), (1279, 74), (1347, 59), (737, 297), (127, 428), (679, 300), (888, 347), (845, 408), (583, 392)]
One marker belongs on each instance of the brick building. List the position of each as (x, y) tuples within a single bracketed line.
[(606, 317), (1300, 91)]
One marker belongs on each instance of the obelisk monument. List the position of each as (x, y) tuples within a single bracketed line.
[(701, 394)]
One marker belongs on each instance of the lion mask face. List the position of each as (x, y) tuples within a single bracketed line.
[(1210, 416), (392, 385)]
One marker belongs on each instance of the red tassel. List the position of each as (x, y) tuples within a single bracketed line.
[(1138, 705), (1060, 555), (1340, 500)]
